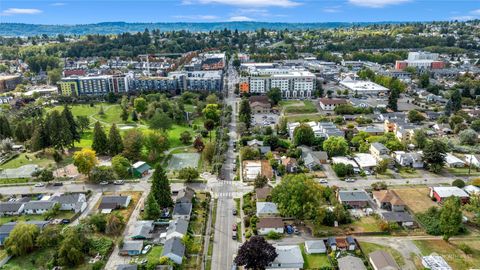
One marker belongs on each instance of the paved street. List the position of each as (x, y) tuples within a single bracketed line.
[(224, 247)]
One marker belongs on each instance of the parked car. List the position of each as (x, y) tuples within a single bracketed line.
[(57, 184), (350, 180), (234, 236), (119, 182), (324, 181), (234, 212), (103, 183), (39, 185), (146, 249), (234, 227)]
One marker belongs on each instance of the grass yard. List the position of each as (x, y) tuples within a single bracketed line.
[(81, 109), (416, 199), (314, 261), (408, 173), (365, 224), (371, 247), (27, 158), (60, 215), (463, 172), (454, 256), (32, 261), (153, 255), (198, 224), (297, 107)]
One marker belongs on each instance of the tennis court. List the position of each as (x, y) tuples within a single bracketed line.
[(183, 160)]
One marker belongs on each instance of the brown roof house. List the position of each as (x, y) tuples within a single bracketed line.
[(290, 164), (389, 200), (252, 168), (259, 104), (266, 225), (262, 194), (329, 104)]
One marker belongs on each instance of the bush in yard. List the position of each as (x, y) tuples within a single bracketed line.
[(343, 170), (188, 174), (379, 186), (272, 235), (458, 183), (465, 248), (476, 182)]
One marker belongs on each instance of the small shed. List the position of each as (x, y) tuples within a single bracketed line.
[(315, 247), (131, 248), (140, 169), (332, 243)]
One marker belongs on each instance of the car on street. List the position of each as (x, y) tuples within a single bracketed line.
[(324, 181), (39, 185), (119, 182), (234, 227), (57, 184), (234, 236), (103, 183), (234, 212), (350, 180)]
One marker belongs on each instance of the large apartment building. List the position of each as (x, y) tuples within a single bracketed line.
[(176, 81), (293, 83)]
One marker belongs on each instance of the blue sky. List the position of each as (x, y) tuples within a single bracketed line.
[(92, 11)]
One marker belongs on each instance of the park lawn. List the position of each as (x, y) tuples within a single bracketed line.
[(82, 109), (456, 258), (86, 140), (27, 158), (113, 115), (368, 248), (416, 199), (314, 261)]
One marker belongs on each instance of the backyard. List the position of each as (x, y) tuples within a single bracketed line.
[(314, 261), (416, 199), (368, 248), (452, 252)]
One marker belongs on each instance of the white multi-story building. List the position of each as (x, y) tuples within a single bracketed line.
[(293, 83)]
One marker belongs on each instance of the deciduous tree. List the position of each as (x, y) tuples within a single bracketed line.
[(21, 239), (451, 217), (303, 134), (256, 253), (85, 160), (434, 155), (132, 144), (335, 146)]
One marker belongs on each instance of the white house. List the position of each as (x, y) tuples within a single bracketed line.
[(289, 257), (177, 228), (453, 162), (38, 207), (315, 247), (329, 104), (71, 202), (472, 190), (270, 224), (473, 160), (410, 159), (365, 161)]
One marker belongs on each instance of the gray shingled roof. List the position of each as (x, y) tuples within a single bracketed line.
[(397, 216), (8, 227), (127, 267), (182, 209), (178, 225), (10, 206), (37, 205), (66, 198), (353, 196), (175, 246), (132, 245)]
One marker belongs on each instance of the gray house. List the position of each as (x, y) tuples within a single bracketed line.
[(174, 250), (142, 230), (38, 207), (182, 210), (110, 203), (177, 228), (289, 257), (11, 208), (350, 263), (71, 202)]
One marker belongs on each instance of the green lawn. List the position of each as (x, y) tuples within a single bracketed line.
[(408, 173), (61, 215), (112, 114), (32, 261), (463, 172), (314, 261), (306, 117), (297, 107), (153, 255), (82, 109), (366, 224), (370, 247), (27, 158)]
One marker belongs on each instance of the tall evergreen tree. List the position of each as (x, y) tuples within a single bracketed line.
[(115, 142), (20, 132), (456, 99), (58, 130), (100, 142), (5, 130), (161, 187), (40, 139), (152, 210), (392, 99), (72, 124)]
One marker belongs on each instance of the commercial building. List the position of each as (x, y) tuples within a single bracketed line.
[(94, 85), (420, 60), (362, 88)]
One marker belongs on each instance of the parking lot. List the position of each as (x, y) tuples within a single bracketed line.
[(264, 119)]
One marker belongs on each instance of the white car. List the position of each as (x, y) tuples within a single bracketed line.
[(103, 183), (39, 185), (146, 249), (323, 181), (349, 180)]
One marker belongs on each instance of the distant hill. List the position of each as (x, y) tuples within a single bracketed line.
[(21, 29)]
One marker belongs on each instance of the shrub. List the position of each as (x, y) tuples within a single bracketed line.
[(458, 183), (465, 248), (274, 235), (476, 182)]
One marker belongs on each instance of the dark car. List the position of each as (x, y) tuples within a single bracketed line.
[(234, 212), (57, 184), (234, 236)]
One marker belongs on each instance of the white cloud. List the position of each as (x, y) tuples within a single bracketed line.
[(197, 17), (462, 18), (250, 3), (475, 12), (333, 9), (240, 19), (20, 11), (376, 3), (58, 4)]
